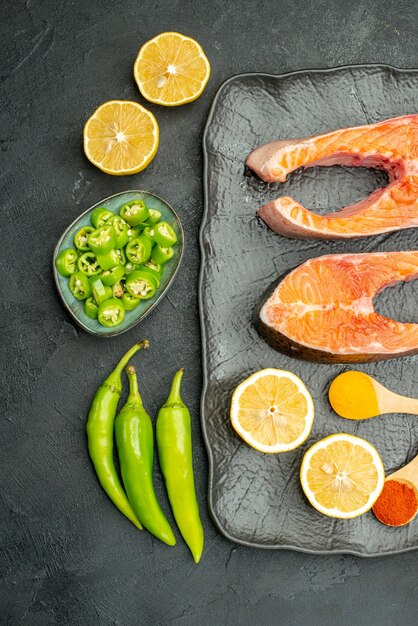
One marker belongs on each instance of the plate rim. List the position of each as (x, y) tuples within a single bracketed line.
[(161, 296), (219, 526)]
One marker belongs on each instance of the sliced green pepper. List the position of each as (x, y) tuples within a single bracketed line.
[(121, 229), (88, 264), (163, 233), (79, 286), (109, 260), (66, 262), (122, 256), (111, 313), (139, 249), (141, 284), (134, 212), (153, 217), (131, 267), (133, 232), (157, 267), (114, 275), (147, 233), (101, 292), (117, 290), (100, 216), (130, 302), (91, 308), (161, 255), (81, 238), (151, 272), (103, 239)]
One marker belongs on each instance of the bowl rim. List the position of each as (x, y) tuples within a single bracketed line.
[(156, 301)]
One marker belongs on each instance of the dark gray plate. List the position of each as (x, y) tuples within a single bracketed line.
[(256, 499)]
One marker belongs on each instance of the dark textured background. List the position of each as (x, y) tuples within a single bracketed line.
[(68, 556)]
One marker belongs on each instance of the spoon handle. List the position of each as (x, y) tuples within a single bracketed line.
[(408, 472), (394, 403)]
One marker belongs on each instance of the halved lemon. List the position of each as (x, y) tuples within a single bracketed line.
[(272, 411), (121, 137), (342, 475), (171, 69)]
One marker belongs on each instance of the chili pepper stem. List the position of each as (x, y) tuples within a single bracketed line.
[(117, 372), (174, 397), (134, 395)]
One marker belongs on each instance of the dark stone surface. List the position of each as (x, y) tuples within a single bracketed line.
[(68, 556)]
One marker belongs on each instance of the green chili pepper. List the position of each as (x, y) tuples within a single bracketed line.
[(117, 290), (103, 239), (100, 291), (134, 212), (100, 216), (141, 284), (121, 229), (79, 286), (138, 249), (88, 264), (114, 275), (161, 255), (135, 443), (81, 238), (66, 262), (130, 302), (91, 308), (108, 260), (151, 272), (111, 313), (153, 217), (174, 443), (163, 233), (100, 434)]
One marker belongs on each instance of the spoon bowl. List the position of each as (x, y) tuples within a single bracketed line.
[(357, 396)]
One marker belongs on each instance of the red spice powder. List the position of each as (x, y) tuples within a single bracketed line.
[(397, 504)]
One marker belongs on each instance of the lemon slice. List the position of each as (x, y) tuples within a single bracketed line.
[(121, 137), (171, 69), (342, 475), (272, 411)]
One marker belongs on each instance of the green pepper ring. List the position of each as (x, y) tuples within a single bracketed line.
[(114, 275), (111, 313)]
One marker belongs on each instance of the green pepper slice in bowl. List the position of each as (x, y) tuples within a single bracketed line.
[(103, 239), (121, 229), (153, 217), (163, 234), (81, 238), (141, 284), (66, 262), (130, 302), (108, 260), (80, 286), (134, 212), (91, 308), (151, 272), (114, 275), (88, 264), (101, 292), (100, 216), (111, 313), (161, 255), (139, 249)]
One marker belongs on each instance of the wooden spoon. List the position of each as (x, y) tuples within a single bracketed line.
[(408, 476), (357, 396)]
